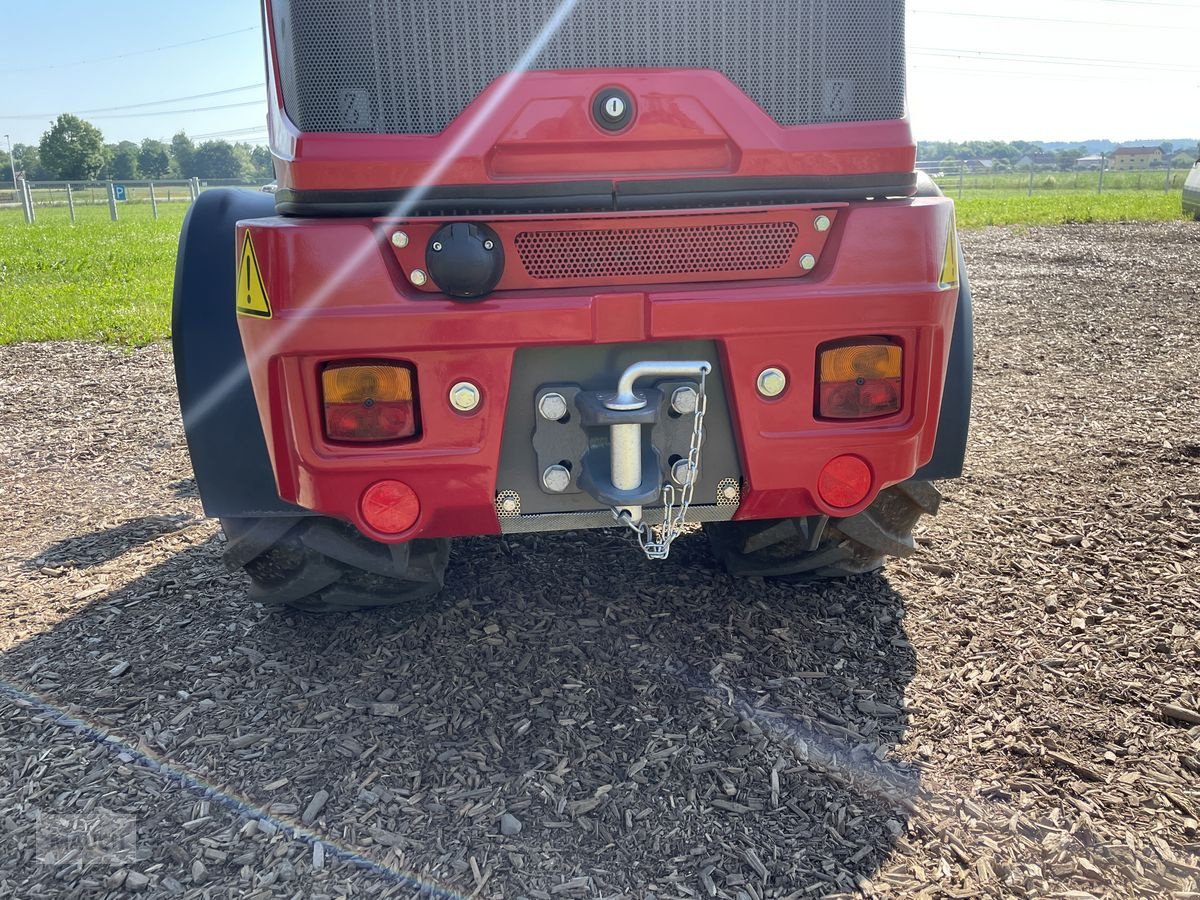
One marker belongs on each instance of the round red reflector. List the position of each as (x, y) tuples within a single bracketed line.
[(844, 482), (390, 507)]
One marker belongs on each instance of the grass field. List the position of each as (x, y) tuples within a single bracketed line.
[(977, 210), (1144, 180), (98, 280), (106, 281)]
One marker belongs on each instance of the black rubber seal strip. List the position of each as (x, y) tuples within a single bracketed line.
[(756, 190), (596, 196), (467, 199)]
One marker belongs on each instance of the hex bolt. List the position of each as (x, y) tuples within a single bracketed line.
[(729, 492), (556, 478), (464, 396), (821, 223), (684, 399), (418, 277), (807, 261), (771, 382), (552, 406), (400, 239), (679, 471), (437, 246), (508, 504)]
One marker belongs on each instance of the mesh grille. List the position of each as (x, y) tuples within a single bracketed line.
[(617, 252), (411, 66)]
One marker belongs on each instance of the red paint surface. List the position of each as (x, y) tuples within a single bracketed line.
[(337, 291), (538, 127)]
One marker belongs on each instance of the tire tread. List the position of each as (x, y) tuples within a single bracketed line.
[(855, 545), (316, 564)]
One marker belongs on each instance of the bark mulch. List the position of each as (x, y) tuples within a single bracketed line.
[(1015, 711)]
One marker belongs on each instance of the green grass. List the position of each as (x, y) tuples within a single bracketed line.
[(96, 280), (111, 281), (1144, 180), (976, 210)]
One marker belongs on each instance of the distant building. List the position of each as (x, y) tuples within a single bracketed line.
[(1127, 158), (979, 165), (1093, 162), (1037, 161)]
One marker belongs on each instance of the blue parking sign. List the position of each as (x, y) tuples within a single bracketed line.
[(119, 191)]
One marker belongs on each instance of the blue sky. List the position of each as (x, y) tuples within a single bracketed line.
[(57, 68), (1025, 69)]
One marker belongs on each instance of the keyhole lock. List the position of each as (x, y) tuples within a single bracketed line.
[(612, 109)]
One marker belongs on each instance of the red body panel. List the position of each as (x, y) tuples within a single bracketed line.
[(773, 255), (337, 291), (537, 127)]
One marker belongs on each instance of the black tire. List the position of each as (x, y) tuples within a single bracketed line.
[(317, 564), (826, 548)]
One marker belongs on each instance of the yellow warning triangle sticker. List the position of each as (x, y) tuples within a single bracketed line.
[(949, 275), (251, 294)]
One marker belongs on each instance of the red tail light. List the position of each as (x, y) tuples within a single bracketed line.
[(859, 380), (390, 506), (845, 481), (369, 402)]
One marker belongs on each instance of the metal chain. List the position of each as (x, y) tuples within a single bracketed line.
[(658, 546)]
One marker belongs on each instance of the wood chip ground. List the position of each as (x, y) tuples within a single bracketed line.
[(1013, 712)]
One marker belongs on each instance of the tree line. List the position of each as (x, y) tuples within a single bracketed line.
[(1011, 152), (74, 150)]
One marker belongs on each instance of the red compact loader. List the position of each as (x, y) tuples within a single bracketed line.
[(563, 264)]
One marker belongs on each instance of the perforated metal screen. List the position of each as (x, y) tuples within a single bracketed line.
[(411, 66), (618, 252)]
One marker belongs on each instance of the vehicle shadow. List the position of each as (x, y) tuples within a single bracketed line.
[(566, 717), (99, 547)]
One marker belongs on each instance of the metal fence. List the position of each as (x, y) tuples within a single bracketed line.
[(138, 198), (74, 197), (965, 179)]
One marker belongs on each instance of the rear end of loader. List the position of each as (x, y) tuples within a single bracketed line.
[(1191, 193), (636, 264)]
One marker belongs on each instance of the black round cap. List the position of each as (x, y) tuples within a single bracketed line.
[(465, 259)]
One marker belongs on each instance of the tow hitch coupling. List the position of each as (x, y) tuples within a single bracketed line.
[(625, 473)]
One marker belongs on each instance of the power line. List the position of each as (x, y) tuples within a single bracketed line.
[(1041, 59), (254, 132), (1043, 76), (1142, 3), (194, 109), (160, 112), (971, 15), (99, 59), (105, 109), (236, 90)]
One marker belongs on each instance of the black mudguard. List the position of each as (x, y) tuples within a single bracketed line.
[(951, 448), (224, 432)]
